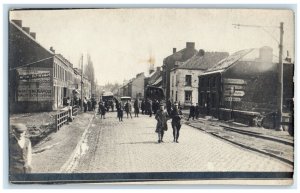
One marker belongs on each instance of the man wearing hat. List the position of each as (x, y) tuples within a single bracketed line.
[(176, 116), (161, 126), (19, 150)]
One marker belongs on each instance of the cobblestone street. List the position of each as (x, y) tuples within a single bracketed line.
[(131, 146)]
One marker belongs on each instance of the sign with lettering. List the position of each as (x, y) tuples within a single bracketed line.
[(236, 87), (34, 84), (234, 81), (238, 93), (232, 99)]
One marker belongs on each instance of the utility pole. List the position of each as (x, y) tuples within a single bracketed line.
[(278, 126), (81, 82), (280, 81)]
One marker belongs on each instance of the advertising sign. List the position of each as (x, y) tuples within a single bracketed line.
[(34, 84)]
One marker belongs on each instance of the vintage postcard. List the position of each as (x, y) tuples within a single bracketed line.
[(151, 95)]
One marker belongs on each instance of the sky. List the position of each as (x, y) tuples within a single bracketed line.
[(121, 41)]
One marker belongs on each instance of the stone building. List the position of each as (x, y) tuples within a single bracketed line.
[(184, 76), (169, 63)]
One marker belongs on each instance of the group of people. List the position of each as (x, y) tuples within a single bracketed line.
[(194, 111), (162, 117), (149, 107)]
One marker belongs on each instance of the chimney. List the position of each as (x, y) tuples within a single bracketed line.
[(174, 50), (288, 59), (52, 50), (26, 29), (190, 45), (158, 69), (17, 22), (201, 52), (266, 54), (32, 34)]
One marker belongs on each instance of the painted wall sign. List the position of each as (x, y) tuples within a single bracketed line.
[(236, 87), (34, 84)]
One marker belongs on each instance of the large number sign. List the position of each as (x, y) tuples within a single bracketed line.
[(34, 84)]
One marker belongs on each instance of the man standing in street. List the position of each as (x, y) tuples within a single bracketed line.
[(128, 108), (169, 106), (143, 105), (192, 112), (20, 155), (161, 126), (136, 107), (176, 116)]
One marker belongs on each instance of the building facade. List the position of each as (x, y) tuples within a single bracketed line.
[(244, 85), (184, 76), (169, 63), (39, 79)]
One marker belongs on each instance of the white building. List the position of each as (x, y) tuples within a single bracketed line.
[(184, 77)]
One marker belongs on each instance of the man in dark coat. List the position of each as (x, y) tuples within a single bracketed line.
[(102, 110), (176, 116), (136, 107), (192, 112), (150, 108), (128, 108), (120, 110), (143, 105), (161, 126), (169, 106)]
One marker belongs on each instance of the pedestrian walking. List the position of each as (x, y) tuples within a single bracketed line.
[(161, 126), (176, 116), (128, 109), (149, 107), (143, 106), (169, 106), (192, 112), (136, 107), (120, 111), (102, 110), (20, 151), (85, 104)]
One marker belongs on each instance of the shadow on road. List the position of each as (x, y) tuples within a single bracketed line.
[(141, 142)]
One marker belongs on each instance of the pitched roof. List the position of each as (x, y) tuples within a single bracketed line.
[(181, 55), (204, 62), (230, 60)]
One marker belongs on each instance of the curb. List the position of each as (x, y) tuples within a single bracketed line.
[(247, 147)]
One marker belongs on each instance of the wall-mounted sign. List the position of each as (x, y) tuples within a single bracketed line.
[(34, 84), (234, 81), (236, 87), (238, 93), (232, 99)]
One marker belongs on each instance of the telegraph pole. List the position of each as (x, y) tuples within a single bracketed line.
[(278, 126), (280, 81), (81, 82)]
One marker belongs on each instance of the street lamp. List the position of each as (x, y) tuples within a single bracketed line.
[(279, 71)]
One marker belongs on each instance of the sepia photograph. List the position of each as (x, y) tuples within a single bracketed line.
[(143, 95)]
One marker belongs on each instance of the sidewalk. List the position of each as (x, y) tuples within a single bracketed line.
[(57, 147), (277, 144)]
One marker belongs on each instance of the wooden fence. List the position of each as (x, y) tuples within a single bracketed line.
[(63, 117)]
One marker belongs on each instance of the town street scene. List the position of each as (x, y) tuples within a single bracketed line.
[(162, 94)]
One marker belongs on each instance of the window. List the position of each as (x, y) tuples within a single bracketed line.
[(172, 94), (188, 80), (176, 96), (188, 96), (54, 70)]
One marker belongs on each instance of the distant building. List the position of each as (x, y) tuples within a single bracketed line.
[(169, 63), (134, 87), (184, 76), (153, 85)]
